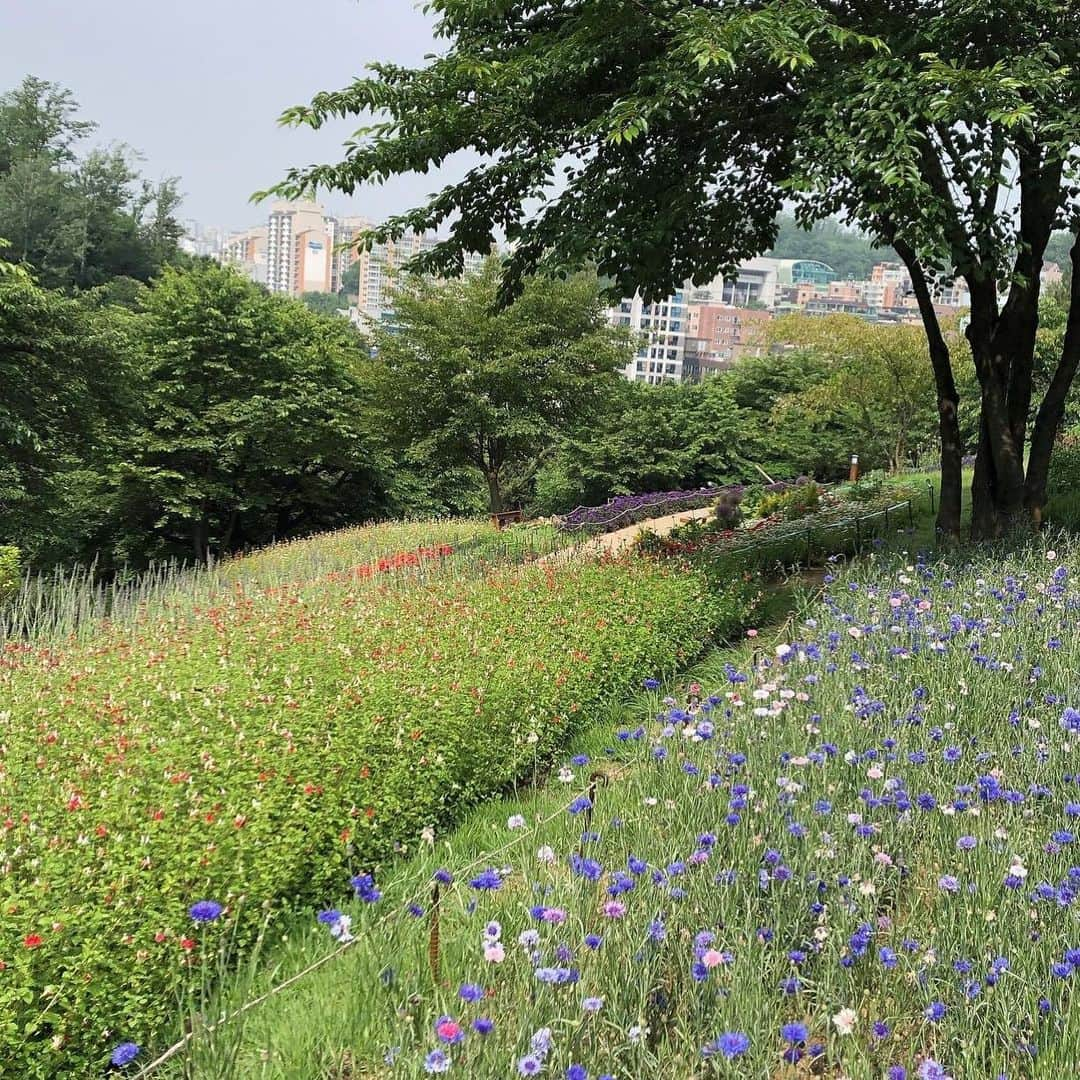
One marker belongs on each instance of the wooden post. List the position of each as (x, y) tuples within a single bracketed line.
[(853, 475)]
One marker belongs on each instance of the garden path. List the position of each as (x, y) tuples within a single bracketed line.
[(614, 542)]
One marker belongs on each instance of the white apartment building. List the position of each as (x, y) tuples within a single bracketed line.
[(662, 326), (299, 248)]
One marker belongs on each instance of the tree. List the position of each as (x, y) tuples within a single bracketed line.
[(325, 303), (253, 420), (77, 223), (881, 372), (465, 384), (647, 438), (682, 128), (65, 394)]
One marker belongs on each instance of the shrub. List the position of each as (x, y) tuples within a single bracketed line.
[(10, 574), (793, 503), (1064, 475), (257, 752)]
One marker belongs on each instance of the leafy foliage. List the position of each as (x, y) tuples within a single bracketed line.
[(463, 384), (252, 417), (77, 223), (10, 571)]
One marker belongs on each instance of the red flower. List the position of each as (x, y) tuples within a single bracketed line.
[(187, 944), (32, 941)]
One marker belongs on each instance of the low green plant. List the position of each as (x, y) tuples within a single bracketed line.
[(1064, 475), (10, 572), (794, 503)]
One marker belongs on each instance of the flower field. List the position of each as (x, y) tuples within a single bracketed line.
[(58, 605), (257, 751), (850, 852)]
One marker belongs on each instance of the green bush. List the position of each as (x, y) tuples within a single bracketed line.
[(10, 572), (797, 502), (1063, 510), (1064, 476), (256, 753)]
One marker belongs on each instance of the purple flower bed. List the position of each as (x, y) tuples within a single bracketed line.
[(625, 510)]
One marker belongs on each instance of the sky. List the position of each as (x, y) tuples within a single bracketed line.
[(196, 86)]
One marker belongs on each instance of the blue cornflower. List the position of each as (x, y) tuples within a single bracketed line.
[(329, 917), (471, 992), (529, 1065), (592, 1004), (364, 887), (443, 876), (794, 1033), (935, 1011), (733, 1043), (205, 911), (577, 1072), (487, 879), (582, 802), (593, 941), (438, 1061), (483, 1026), (124, 1054)]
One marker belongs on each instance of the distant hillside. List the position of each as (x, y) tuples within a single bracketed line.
[(851, 254), (848, 252)]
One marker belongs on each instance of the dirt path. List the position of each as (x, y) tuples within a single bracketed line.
[(621, 539)]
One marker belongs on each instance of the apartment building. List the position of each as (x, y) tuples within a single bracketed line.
[(247, 252), (717, 335), (299, 248), (663, 335)]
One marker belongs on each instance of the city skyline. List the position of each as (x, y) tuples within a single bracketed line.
[(220, 79)]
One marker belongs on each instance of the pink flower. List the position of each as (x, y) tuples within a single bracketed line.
[(712, 958), (751, 633), (613, 909), (494, 953)]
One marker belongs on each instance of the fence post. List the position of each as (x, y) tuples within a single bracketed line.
[(910, 515), (886, 519), (858, 534), (930, 488), (809, 554)]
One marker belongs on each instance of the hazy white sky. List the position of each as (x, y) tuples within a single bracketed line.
[(197, 85)]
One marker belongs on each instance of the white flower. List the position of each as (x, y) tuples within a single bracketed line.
[(546, 854), (637, 1033), (515, 821), (427, 835), (1051, 556), (844, 1021), (341, 930), (566, 775), (782, 650)]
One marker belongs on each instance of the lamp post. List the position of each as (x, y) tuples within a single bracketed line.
[(853, 476)]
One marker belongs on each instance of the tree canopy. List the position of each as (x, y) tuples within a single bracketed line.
[(77, 222), (470, 386), (678, 131)]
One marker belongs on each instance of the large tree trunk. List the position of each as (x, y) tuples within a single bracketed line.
[(1052, 408), (948, 400), (495, 497)]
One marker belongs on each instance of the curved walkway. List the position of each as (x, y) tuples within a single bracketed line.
[(614, 542)]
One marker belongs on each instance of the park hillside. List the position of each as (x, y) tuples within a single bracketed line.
[(424, 696)]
